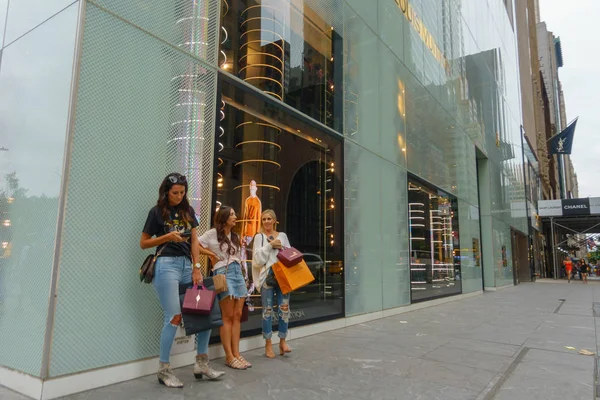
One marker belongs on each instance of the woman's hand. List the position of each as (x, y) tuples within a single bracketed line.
[(276, 244), (197, 276), (174, 236)]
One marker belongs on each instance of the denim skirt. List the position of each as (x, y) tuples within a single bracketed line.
[(236, 285)]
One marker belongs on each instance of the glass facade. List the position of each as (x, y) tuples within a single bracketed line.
[(346, 117)]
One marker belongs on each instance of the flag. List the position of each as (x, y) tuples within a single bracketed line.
[(563, 142), (591, 243)]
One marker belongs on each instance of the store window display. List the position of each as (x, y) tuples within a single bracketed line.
[(434, 245), (271, 158)]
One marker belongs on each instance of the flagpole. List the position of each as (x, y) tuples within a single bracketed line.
[(561, 173)]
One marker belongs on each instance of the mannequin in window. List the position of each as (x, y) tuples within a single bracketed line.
[(252, 212)]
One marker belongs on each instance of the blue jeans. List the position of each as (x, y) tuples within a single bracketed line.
[(267, 295), (169, 273)]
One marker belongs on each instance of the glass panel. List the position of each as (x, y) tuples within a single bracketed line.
[(394, 228), (364, 245), (361, 84), (434, 242), (470, 252), (35, 84), (287, 50), (3, 11), (268, 159), (24, 15)]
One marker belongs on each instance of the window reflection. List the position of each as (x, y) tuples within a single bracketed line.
[(434, 244), (286, 50)]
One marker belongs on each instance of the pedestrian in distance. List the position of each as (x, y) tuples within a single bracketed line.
[(170, 227), (584, 271), (568, 268), (266, 246), (223, 246)]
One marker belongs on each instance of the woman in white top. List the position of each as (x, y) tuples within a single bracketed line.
[(223, 247), (266, 245)]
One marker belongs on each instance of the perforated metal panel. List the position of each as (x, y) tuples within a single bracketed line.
[(191, 25), (145, 108)]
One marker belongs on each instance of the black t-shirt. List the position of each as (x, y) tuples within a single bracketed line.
[(157, 226)]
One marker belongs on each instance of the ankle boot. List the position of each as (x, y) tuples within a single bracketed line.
[(203, 369), (167, 377)]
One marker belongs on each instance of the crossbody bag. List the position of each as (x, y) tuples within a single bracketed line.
[(147, 268)]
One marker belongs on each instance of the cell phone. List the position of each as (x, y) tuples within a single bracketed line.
[(186, 234)]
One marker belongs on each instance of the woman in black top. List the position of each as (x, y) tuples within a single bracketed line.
[(169, 227), (584, 271)]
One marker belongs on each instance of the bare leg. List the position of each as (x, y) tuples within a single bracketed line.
[(238, 305), (226, 330)]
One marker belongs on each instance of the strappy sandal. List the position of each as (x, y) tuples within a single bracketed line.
[(236, 364), (245, 362)]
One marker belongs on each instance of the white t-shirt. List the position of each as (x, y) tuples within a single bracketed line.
[(209, 241), (264, 256)]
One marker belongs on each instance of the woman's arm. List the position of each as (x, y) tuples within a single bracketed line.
[(286, 241), (203, 250), (261, 250), (147, 241), (195, 245)]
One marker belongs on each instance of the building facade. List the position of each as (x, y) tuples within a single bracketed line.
[(386, 135)]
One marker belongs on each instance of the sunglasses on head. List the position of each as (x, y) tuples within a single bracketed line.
[(176, 179)]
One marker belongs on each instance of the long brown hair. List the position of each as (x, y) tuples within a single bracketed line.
[(220, 220), (182, 208)]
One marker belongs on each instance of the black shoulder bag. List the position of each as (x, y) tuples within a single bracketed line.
[(270, 280), (147, 268)]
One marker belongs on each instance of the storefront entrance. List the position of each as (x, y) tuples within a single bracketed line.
[(521, 265)]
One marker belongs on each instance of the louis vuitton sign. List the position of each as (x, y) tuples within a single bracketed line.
[(417, 23)]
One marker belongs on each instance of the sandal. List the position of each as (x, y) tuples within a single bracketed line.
[(245, 362), (236, 364)]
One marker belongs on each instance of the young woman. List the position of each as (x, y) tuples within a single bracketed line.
[(584, 270), (169, 228), (568, 268), (267, 244), (223, 247)]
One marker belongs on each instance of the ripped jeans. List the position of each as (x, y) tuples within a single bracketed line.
[(267, 295), (169, 273)]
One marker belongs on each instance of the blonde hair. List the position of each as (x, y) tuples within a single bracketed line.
[(267, 212)]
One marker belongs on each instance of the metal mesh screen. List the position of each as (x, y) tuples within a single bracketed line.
[(330, 11), (193, 26), (145, 108)]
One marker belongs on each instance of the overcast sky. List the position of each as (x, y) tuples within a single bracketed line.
[(576, 23)]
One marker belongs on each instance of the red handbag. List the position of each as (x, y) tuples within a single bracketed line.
[(198, 300), (290, 256)]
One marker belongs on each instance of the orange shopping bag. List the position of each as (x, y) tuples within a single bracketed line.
[(292, 278)]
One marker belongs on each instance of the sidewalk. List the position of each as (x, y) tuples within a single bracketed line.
[(508, 344)]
